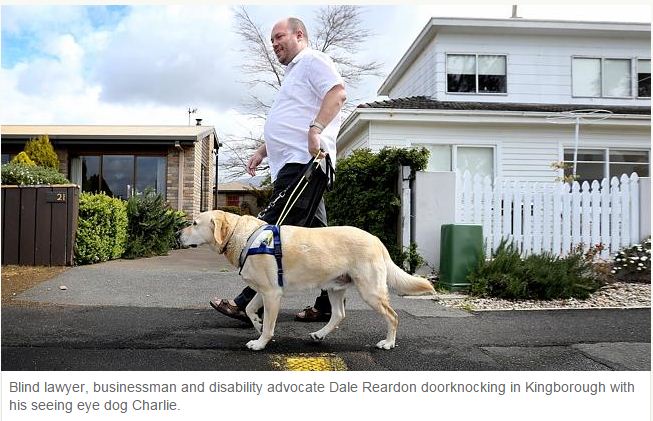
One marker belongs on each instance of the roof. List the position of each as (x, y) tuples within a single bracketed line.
[(110, 133), (426, 103), (235, 186), (513, 26)]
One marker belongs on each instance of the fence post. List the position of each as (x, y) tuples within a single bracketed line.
[(625, 210), (644, 208), (435, 205)]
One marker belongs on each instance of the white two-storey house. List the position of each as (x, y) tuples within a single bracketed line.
[(487, 95), (492, 96)]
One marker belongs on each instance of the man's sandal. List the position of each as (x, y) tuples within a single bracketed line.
[(223, 306), (311, 314)]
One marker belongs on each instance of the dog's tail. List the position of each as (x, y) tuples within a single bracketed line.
[(404, 283)]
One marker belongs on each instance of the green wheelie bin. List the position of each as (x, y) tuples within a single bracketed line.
[(461, 248)]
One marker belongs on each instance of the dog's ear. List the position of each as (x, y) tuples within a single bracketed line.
[(220, 228)]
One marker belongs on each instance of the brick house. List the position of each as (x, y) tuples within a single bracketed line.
[(176, 161)]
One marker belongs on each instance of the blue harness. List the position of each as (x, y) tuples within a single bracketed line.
[(265, 240)]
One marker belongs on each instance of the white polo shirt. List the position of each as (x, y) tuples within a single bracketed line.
[(308, 78)]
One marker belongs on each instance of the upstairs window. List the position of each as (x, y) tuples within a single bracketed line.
[(610, 77), (476, 73), (644, 78)]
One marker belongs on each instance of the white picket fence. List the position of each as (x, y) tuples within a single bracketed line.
[(553, 217)]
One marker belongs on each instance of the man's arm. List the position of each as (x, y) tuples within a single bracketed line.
[(255, 160), (331, 105)]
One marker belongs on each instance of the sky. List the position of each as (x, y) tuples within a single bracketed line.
[(148, 64)]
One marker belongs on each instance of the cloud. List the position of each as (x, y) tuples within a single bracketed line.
[(173, 56)]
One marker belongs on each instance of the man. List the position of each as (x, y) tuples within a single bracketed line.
[(303, 122)]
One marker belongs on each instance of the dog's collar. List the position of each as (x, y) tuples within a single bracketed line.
[(226, 243)]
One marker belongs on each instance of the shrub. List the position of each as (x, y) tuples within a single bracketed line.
[(364, 193), (23, 158), (538, 276), (40, 150), (633, 263), (102, 228), (231, 209), (21, 174), (152, 226)]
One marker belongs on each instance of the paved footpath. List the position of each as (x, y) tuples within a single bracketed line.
[(153, 314)]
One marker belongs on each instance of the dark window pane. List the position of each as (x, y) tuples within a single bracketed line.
[(90, 174), (644, 85), (118, 175), (5, 158), (150, 173), (585, 155), (461, 83), (587, 171), (628, 156), (492, 83), (642, 170)]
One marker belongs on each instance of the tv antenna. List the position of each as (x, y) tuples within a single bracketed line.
[(191, 111), (577, 117)]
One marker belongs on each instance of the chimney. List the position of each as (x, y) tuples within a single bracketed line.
[(199, 121), (514, 12)]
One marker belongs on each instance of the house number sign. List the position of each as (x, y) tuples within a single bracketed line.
[(56, 197)]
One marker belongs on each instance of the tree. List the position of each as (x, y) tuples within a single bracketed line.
[(40, 150), (337, 31)]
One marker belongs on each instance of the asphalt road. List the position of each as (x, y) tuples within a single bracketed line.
[(153, 314)]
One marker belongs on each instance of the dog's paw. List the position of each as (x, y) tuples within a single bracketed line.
[(385, 344), (316, 337), (256, 345)]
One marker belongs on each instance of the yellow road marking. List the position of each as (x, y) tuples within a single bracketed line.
[(309, 362)]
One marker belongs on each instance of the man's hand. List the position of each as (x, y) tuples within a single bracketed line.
[(314, 143), (253, 162)]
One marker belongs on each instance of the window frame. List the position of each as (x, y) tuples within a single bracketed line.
[(634, 88), (101, 155), (636, 61), (476, 55), (606, 158)]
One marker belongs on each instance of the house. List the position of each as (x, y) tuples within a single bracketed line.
[(240, 194), (497, 97), (176, 161)]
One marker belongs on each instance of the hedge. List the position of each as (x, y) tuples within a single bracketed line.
[(102, 228)]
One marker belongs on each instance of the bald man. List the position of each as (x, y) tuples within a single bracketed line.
[(303, 122)]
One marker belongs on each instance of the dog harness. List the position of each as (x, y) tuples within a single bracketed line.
[(265, 240)]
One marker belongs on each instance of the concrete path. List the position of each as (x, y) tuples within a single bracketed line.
[(153, 314)]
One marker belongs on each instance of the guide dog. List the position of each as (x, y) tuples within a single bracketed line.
[(331, 258)]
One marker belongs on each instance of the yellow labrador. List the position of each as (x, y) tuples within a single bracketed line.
[(331, 258)]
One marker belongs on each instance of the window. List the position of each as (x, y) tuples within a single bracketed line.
[(644, 78), (475, 159), (150, 174), (233, 200), (119, 176), (609, 77), (6, 158), (597, 164), (476, 73), (204, 204)]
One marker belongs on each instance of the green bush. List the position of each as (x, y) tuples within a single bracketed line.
[(102, 228), (231, 209), (365, 193), (633, 264), (23, 158), (29, 175), (538, 276), (152, 226), (40, 150)]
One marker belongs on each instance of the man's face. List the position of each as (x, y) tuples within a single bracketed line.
[(285, 43)]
